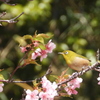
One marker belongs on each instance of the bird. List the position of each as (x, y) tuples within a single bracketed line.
[(75, 61)]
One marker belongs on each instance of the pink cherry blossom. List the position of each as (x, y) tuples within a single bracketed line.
[(50, 46), (23, 49), (45, 82), (36, 43), (47, 85), (43, 95), (1, 87), (49, 89), (98, 79), (32, 95), (70, 90), (39, 53), (36, 53), (43, 54), (99, 83), (72, 85), (75, 82)]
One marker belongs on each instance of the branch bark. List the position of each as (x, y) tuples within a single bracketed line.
[(13, 20)]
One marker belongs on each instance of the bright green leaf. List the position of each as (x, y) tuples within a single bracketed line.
[(27, 37)]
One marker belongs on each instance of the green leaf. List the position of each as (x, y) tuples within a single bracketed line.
[(1, 77), (30, 61), (20, 40), (42, 46), (54, 76), (40, 39), (27, 37), (44, 36)]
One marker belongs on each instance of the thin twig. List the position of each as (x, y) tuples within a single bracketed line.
[(7, 81), (1, 15), (98, 54), (38, 79), (8, 2), (18, 16), (19, 66), (49, 71), (10, 78), (97, 69), (13, 20)]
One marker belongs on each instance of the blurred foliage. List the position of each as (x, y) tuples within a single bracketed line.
[(75, 25)]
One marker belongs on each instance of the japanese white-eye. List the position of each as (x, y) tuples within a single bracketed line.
[(75, 61)]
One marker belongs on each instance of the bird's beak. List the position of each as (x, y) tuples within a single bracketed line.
[(60, 53)]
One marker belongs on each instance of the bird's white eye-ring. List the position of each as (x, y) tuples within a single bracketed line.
[(66, 53)]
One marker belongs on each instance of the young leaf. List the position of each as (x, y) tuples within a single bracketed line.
[(30, 61), (27, 37), (44, 36), (20, 40), (1, 77), (40, 39)]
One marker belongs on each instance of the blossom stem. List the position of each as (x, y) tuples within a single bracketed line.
[(19, 66)]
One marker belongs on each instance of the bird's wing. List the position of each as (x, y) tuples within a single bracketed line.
[(83, 57)]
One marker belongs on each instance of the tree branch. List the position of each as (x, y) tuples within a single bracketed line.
[(13, 20), (2, 14), (38, 79), (73, 76), (77, 74)]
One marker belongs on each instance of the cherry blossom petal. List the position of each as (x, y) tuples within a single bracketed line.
[(70, 91), (36, 53), (36, 43), (43, 54), (23, 49), (1, 87), (72, 85), (32, 95), (50, 46), (98, 79)]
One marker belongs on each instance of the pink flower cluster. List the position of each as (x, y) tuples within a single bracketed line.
[(32, 95), (72, 85), (39, 52), (43, 53), (48, 91), (1, 87)]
